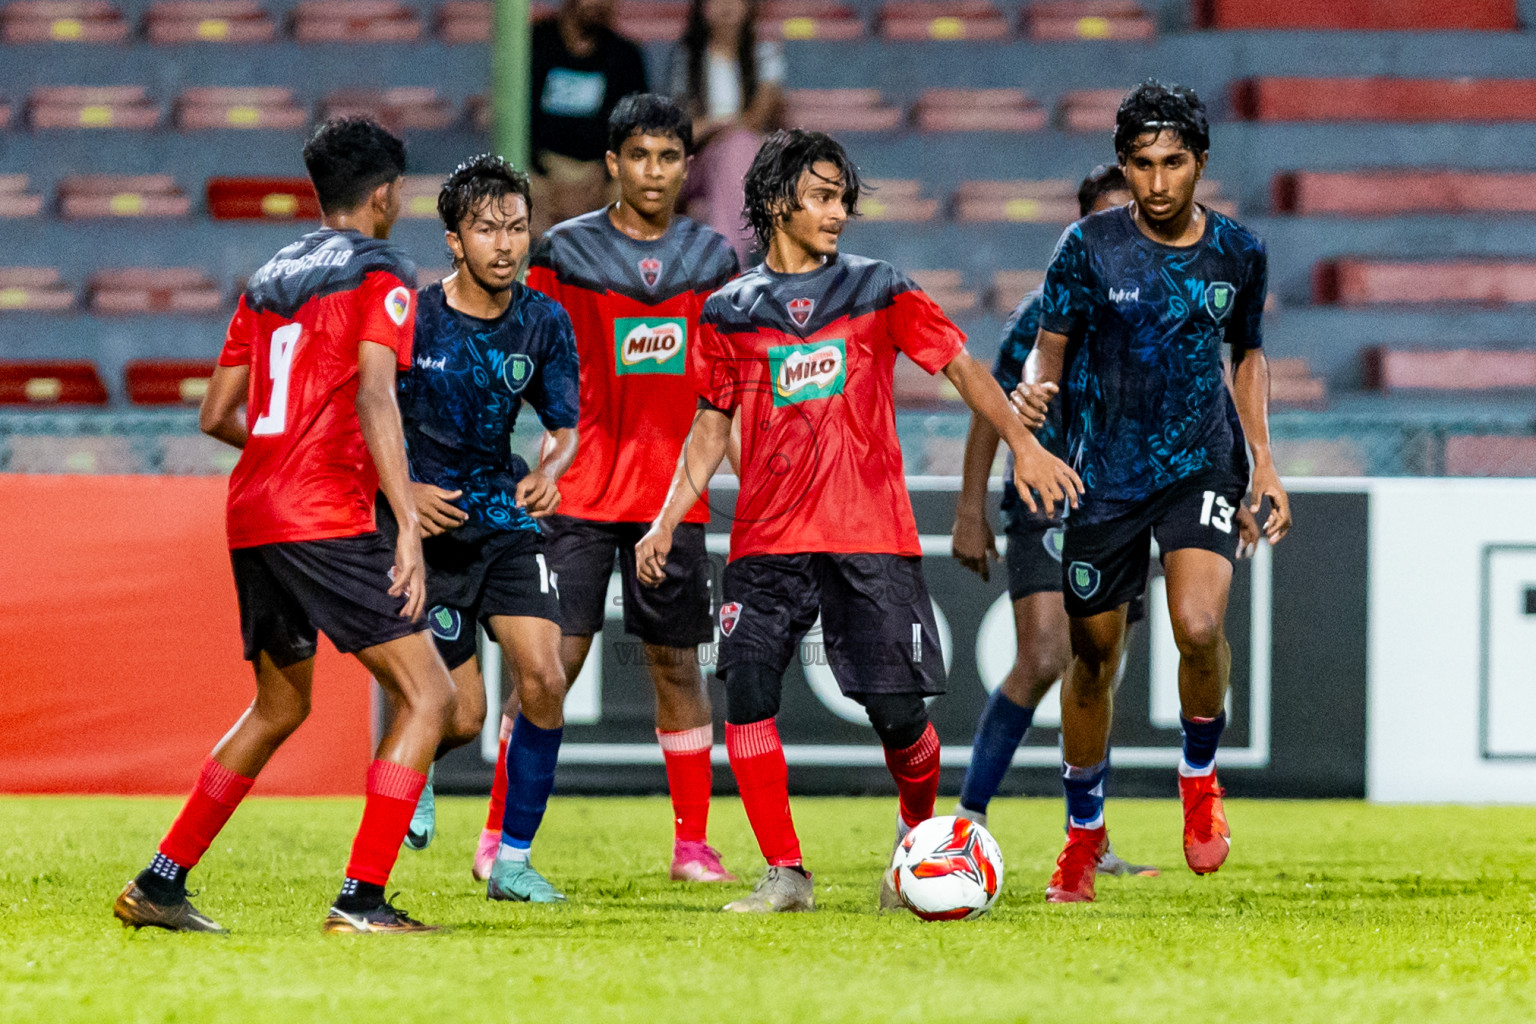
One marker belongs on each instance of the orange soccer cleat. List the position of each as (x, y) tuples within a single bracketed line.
[(1075, 868), (1207, 838)]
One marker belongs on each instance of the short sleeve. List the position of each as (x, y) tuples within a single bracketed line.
[(1066, 295), (1245, 330), (770, 62), (716, 377), (386, 314), (541, 269), (239, 337), (1018, 339), (919, 327), (556, 388)]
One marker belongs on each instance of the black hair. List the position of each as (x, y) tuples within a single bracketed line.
[(647, 113), (1152, 108), (696, 46), (348, 157), (473, 182), (774, 176), (1101, 180)]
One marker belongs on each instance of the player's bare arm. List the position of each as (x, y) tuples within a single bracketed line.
[(220, 416), (1034, 468), (379, 417), (539, 491), (971, 540), (1250, 389), (702, 454)]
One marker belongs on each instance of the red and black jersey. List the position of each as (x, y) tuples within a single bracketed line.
[(810, 359), (635, 307), (306, 473)]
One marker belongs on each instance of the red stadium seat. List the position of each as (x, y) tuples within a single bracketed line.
[(209, 21), (54, 382), (90, 106), (418, 196), (915, 388), (1490, 455), (1052, 201), (1291, 383), (947, 289), (1359, 281), (409, 108), (1391, 369), (1064, 20), (153, 290), (923, 20), (1089, 110), (120, 195), (809, 19), (1382, 193), (167, 381), (979, 110), (355, 21), (262, 199), (240, 108), (1385, 99), (652, 21), (15, 200), (1009, 288), (466, 21), (479, 113), (897, 200), (34, 289), (1359, 15), (840, 110), (62, 21)]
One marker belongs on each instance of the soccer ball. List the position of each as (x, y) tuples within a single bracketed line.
[(948, 869)]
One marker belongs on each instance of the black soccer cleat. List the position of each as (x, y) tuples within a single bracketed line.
[(136, 910), (384, 918)]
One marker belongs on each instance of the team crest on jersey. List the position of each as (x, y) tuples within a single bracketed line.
[(800, 310), (516, 372), (398, 305), (1052, 542), (650, 271), (650, 345), (1083, 579), (730, 614), (446, 622), (1219, 296), (802, 373)]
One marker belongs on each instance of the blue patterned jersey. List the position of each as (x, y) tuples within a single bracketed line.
[(1144, 399), (469, 379), (1018, 341)]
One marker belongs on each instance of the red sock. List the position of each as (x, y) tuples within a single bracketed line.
[(689, 778), (499, 782), (217, 793), (393, 790), (757, 759), (916, 770)]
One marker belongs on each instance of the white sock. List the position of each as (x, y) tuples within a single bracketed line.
[(1189, 772), (517, 854)]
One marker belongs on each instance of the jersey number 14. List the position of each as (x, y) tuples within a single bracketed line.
[(285, 341)]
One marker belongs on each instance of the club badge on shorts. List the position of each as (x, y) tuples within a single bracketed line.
[(729, 615), (446, 622), (1054, 541), (1083, 579)]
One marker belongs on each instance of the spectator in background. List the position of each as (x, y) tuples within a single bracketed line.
[(732, 84), (581, 68)]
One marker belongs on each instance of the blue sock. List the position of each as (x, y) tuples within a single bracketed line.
[(1085, 794), (1200, 740), (1002, 728), (531, 756)]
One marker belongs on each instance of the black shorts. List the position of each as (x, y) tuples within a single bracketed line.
[(673, 614), (291, 592), (878, 633), (1034, 558), (475, 572), (1105, 564)]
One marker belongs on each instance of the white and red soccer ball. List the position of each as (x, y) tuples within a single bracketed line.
[(948, 869)]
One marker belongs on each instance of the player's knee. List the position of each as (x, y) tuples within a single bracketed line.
[(542, 688), (1197, 632), (899, 718), (751, 693), (1037, 670), (283, 715)]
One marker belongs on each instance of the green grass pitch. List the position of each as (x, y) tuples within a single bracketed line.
[(1328, 912)]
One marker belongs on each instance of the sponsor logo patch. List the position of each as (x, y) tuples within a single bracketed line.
[(802, 373), (1083, 579), (1125, 294), (650, 345), (650, 271), (730, 614), (446, 622), (1219, 296), (800, 310), (398, 305), (516, 372)]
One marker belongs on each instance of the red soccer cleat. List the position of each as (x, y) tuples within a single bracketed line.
[(1207, 839), (1075, 868)]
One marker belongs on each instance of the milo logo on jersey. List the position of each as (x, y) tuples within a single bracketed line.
[(650, 345), (802, 373)]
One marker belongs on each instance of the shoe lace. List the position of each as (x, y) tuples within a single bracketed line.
[(1198, 817), (399, 913)]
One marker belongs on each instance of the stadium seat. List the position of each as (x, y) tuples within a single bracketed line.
[(355, 21), (479, 113), (922, 20), (1385, 99), (153, 290), (1319, 457), (653, 21), (15, 200), (466, 21), (947, 289), (49, 453), (914, 388), (1064, 20), (241, 108), (1291, 383), (51, 382), (840, 110), (1490, 455), (418, 196), (1389, 369), (167, 381), (978, 110), (1361, 281), (809, 19), (92, 106), (1359, 15), (1009, 288), (1088, 110), (404, 109), (1052, 201), (1389, 192), (34, 289), (6, 109), (262, 199), (121, 195), (209, 21), (195, 455), (897, 200), (62, 21)]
